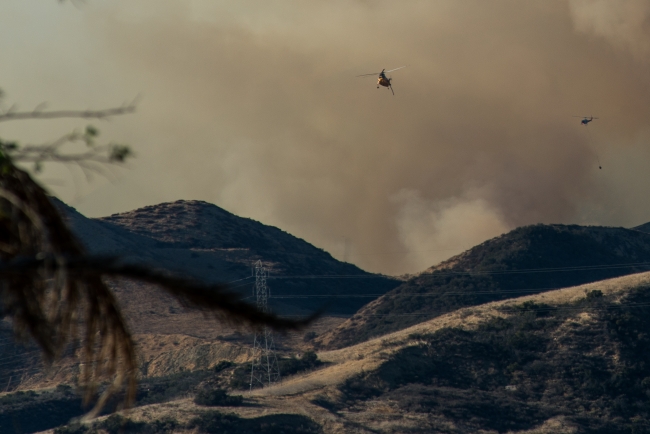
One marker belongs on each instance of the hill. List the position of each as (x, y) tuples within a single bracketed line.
[(207, 242), (526, 260), (565, 361), (643, 228), (204, 241)]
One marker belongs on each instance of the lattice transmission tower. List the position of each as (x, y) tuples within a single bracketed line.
[(265, 370)]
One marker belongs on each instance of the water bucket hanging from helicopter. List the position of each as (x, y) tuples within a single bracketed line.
[(585, 121)]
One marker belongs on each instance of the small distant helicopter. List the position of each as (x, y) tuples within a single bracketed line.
[(585, 120), (382, 80)]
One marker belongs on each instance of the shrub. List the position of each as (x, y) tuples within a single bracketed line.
[(223, 365), (594, 294), (288, 366), (241, 377), (213, 422), (64, 388), (161, 389), (75, 428), (217, 397), (117, 424), (165, 425), (326, 403)]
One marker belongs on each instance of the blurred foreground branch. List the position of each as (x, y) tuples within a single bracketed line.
[(55, 292), (215, 299)]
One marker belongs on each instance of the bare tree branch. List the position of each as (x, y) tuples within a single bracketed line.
[(11, 115), (49, 153)]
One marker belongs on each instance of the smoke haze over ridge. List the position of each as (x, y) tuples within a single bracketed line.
[(255, 106)]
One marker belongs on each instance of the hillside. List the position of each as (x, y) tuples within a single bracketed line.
[(643, 228), (545, 360), (204, 241), (526, 260), (201, 240), (207, 242), (565, 361)]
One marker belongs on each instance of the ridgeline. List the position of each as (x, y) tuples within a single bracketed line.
[(527, 260)]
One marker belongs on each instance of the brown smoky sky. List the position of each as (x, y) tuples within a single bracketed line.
[(254, 106)]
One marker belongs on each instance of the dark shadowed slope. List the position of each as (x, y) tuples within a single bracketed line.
[(643, 228), (527, 260), (207, 242)]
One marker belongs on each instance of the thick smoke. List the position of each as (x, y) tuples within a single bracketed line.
[(255, 106), (624, 23), (431, 231)]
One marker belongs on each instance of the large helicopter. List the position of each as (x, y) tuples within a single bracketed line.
[(585, 119), (382, 80)]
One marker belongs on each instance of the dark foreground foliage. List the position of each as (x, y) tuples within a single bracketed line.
[(586, 362), (211, 422)]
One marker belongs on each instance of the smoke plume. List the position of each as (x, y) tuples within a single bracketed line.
[(255, 106)]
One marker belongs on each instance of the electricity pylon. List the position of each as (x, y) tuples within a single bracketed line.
[(265, 370)]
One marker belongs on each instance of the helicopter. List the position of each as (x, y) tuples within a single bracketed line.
[(585, 120), (382, 80)]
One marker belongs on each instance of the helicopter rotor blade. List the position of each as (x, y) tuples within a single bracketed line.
[(391, 70), (391, 89), (365, 75)]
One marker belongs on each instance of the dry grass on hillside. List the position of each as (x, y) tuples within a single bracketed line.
[(365, 356), (298, 395), (161, 354)]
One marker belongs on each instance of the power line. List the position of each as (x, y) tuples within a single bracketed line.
[(469, 273), (515, 308), (452, 273), (423, 294), (243, 278)]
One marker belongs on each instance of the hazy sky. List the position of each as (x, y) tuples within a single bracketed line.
[(254, 106)]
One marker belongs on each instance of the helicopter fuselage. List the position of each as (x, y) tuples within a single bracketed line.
[(383, 81)]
